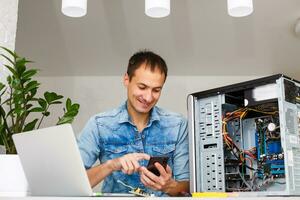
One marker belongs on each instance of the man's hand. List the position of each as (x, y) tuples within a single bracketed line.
[(162, 182), (128, 163)]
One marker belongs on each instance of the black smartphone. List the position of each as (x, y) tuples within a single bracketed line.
[(163, 160)]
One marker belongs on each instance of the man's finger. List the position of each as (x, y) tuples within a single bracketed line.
[(149, 174), (130, 166), (124, 165), (161, 169), (141, 156), (150, 183), (147, 180), (136, 165), (169, 170), (145, 183)]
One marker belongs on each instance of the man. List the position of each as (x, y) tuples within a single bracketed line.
[(125, 138)]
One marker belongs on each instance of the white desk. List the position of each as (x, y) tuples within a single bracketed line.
[(139, 198)]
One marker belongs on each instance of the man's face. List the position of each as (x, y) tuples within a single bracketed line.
[(144, 88)]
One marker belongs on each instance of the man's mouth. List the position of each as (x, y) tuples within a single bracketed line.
[(144, 103)]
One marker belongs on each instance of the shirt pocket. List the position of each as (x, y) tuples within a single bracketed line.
[(115, 151), (163, 150)]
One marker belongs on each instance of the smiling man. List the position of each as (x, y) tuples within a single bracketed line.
[(125, 138)]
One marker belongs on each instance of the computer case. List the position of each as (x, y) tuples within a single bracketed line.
[(245, 137)]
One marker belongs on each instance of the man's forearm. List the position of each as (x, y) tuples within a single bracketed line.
[(98, 173), (176, 188)]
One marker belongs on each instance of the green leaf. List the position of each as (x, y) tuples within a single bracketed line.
[(75, 106), (46, 113), (28, 106), (30, 126), (2, 111), (7, 58), (10, 52), (33, 92), (2, 93), (1, 86), (31, 85), (9, 79), (36, 109), (14, 72), (19, 111), (68, 104), (65, 120), (52, 96), (20, 66), (42, 103), (16, 83), (29, 73), (56, 102)]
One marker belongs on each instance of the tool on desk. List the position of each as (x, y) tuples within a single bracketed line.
[(136, 190)]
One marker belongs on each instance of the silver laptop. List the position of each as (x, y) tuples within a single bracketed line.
[(52, 162)]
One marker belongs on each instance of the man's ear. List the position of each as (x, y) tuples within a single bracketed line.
[(126, 80)]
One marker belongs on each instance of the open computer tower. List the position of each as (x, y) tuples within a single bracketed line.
[(245, 137)]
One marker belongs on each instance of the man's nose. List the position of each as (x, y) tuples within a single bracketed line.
[(148, 96)]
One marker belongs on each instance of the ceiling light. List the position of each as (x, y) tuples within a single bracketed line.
[(157, 8), (74, 8), (239, 8)]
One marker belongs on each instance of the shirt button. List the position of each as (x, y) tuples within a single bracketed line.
[(143, 136)]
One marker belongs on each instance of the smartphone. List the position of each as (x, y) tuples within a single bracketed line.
[(163, 160)]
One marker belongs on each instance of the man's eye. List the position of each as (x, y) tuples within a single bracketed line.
[(158, 90), (142, 88)]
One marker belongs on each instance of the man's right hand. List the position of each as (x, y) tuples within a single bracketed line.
[(128, 163)]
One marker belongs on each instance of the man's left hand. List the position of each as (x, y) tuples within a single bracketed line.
[(163, 182)]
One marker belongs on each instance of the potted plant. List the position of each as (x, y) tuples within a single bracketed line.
[(18, 102)]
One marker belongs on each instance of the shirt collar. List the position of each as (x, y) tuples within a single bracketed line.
[(124, 116)]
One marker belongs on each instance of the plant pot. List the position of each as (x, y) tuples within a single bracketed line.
[(12, 178)]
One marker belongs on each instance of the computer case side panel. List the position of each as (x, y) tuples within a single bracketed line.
[(192, 153), (288, 110)]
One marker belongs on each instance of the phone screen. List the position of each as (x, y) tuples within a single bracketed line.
[(163, 160)]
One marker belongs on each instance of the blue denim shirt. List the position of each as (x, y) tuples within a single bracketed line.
[(112, 134)]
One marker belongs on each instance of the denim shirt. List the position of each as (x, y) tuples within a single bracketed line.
[(111, 135)]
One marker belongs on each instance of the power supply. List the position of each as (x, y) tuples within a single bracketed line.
[(245, 137)]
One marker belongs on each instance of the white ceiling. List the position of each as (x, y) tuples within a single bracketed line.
[(198, 38)]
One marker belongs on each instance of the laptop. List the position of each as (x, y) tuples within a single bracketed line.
[(52, 163)]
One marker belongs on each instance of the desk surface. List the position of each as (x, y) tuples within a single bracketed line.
[(139, 198)]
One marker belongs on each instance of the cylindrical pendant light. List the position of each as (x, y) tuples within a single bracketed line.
[(74, 8), (239, 8), (157, 8)]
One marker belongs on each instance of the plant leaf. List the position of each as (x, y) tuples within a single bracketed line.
[(10, 52), (75, 106), (2, 111), (31, 85), (30, 126), (46, 113), (12, 70), (42, 103), (7, 58), (1, 86), (36, 109), (52, 96), (68, 104), (65, 120), (29, 73), (56, 102)]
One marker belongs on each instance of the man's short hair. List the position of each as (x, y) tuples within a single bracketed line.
[(151, 60)]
